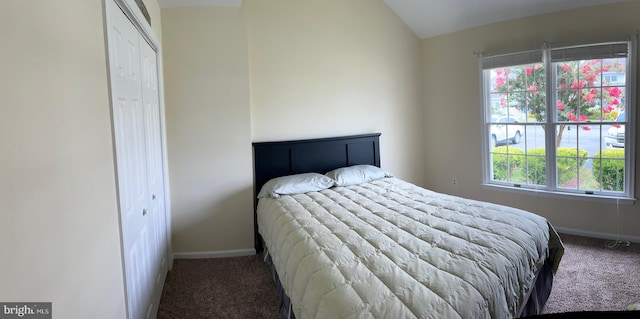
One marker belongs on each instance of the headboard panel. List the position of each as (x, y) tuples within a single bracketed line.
[(275, 159)]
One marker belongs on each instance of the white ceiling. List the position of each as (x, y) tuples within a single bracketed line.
[(428, 18)]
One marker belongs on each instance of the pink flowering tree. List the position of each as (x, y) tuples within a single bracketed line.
[(584, 93)]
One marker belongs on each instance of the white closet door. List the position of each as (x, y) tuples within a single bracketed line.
[(155, 173), (138, 142)]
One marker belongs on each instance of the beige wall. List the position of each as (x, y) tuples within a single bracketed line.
[(154, 12), (208, 128), (267, 71), (272, 71), (59, 235), (452, 104), (334, 67)]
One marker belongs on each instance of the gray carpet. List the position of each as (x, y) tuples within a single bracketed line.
[(590, 277), (593, 277), (240, 287)]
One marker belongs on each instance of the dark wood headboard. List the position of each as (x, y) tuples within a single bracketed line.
[(275, 159)]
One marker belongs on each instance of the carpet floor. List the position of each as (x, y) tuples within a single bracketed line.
[(591, 276), (233, 288)]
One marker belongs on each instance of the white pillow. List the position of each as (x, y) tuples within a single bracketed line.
[(357, 174), (295, 184)]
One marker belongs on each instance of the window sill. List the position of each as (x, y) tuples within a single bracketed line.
[(562, 195)]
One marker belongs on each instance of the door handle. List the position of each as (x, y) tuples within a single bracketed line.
[(153, 196), (144, 212)]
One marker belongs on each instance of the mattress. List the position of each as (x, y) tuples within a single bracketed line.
[(390, 249)]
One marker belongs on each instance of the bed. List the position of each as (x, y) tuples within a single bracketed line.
[(381, 247)]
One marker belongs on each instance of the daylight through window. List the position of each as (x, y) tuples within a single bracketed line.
[(560, 119)]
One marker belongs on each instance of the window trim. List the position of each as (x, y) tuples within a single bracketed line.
[(493, 61), (561, 195)]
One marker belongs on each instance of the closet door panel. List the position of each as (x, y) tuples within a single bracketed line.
[(155, 172), (131, 123)]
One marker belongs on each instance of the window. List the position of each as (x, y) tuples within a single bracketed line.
[(560, 119)]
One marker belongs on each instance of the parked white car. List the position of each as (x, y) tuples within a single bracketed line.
[(503, 134), (615, 134)]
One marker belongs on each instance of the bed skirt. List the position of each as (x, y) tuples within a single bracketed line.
[(284, 306), (537, 297), (540, 291)]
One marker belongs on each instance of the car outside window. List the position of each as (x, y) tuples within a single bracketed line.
[(615, 133), (506, 131)]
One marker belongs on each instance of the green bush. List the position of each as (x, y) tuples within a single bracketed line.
[(609, 171), (567, 166), (536, 161), (505, 165)]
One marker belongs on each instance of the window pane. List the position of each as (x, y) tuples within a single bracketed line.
[(520, 155), (608, 170), (590, 108), (534, 137), (518, 174), (515, 78), (590, 92), (587, 120), (536, 107), (571, 155), (537, 167), (615, 133), (613, 102), (613, 88), (498, 80), (566, 136), (537, 76), (566, 74), (614, 72), (535, 162), (599, 76), (567, 172), (505, 163), (507, 130), (518, 101), (505, 159), (589, 138), (518, 92), (498, 102), (590, 141), (531, 137), (589, 72), (565, 100)]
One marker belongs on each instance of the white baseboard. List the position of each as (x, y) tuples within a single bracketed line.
[(198, 3), (251, 252), (215, 254), (578, 232)]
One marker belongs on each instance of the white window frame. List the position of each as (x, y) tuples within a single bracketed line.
[(543, 56)]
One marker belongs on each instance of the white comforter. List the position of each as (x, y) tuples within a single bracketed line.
[(389, 249)]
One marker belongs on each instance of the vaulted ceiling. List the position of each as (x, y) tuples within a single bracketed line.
[(428, 18)]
